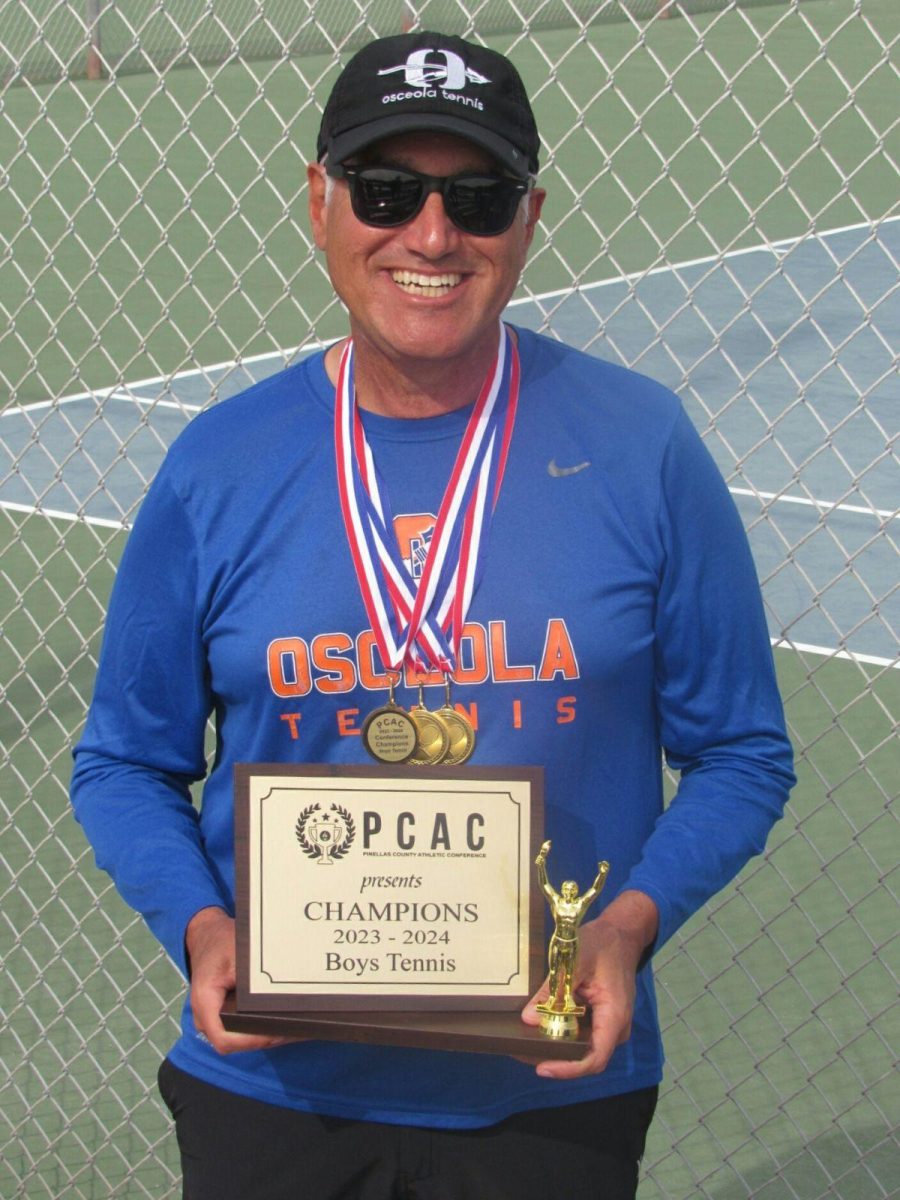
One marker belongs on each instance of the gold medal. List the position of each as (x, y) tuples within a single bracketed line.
[(389, 734), (459, 730), (433, 738)]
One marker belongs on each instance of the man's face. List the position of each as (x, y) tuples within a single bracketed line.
[(424, 290)]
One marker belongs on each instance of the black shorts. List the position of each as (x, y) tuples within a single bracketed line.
[(233, 1148)]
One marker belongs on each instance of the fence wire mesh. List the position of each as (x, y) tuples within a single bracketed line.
[(722, 215)]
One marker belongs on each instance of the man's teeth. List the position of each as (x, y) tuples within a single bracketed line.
[(425, 285)]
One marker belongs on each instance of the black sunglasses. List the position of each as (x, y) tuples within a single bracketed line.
[(477, 202)]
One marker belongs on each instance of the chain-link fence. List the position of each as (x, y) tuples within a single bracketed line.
[(722, 214)]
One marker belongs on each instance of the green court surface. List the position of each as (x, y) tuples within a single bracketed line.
[(119, 270), (787, 978), (143, 241)]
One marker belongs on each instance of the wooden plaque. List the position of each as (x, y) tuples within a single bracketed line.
[(390, 904)]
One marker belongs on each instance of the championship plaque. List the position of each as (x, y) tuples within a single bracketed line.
[(390, 904)]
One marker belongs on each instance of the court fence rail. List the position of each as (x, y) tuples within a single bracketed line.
[(152, 224)]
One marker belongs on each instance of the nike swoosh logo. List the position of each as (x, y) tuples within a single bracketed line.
[(559, 472)]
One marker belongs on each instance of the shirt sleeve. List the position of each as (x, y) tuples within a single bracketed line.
[(143, 744), (720, 714)]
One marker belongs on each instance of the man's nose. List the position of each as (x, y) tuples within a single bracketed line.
[(431, 232)]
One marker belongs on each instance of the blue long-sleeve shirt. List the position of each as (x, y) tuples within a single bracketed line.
[(618, 618)]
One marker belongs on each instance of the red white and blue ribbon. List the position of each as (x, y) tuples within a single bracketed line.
[(420, 622)]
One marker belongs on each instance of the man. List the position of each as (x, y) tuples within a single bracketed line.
[(612, 610)]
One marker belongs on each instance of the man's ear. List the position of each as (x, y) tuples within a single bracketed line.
[(536, 199), (315, 176)]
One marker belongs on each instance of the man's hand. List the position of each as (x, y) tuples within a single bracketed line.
[(210, 944), (609, 952)]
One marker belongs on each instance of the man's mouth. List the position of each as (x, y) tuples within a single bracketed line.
[(416, 284)]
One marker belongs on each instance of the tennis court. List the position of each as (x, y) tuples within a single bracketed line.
[(723, 216)]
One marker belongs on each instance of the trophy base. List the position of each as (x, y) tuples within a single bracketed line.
[(561, 1025), (475, 1032)]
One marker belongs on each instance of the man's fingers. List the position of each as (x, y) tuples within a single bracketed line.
[(610, 1017), (605, 1036), (530, 1014), (206, 1004), (211, 949), (237, 1043)]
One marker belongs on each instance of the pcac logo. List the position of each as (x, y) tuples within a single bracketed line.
[(325, 836)]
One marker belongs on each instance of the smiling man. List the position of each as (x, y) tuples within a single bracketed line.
[(437, 500), (424, 297)]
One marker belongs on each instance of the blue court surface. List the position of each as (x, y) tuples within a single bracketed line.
[(783, 357)]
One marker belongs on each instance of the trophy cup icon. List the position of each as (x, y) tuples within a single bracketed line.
[(327, 833)]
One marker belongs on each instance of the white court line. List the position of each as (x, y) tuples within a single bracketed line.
[(118, 392), (778, 643), (309, 347), (124, 392), (58, 515), (18, 410), (822, 505), (673, 268), (829, 652)]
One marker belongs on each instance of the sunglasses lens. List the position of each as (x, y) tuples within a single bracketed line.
[(483, 204), (384, 197), (478, 204)]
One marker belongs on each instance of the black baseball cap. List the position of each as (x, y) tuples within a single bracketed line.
[(431, 81)]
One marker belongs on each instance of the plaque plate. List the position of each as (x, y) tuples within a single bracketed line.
[(387, 888)]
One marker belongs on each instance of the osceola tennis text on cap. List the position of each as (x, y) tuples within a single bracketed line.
[(452, 74)]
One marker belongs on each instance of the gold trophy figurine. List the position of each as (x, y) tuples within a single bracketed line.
[(561, 1013)]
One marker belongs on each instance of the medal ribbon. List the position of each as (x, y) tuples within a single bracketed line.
[(421, 621)]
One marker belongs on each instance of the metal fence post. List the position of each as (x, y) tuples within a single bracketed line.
[(92, 21)]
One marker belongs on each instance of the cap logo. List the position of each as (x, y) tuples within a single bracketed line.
[(451, 72)]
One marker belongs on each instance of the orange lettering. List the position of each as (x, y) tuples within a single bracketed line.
[(517, 714), (472, 647), (339, 673), (293, 720), (369, 676), (558, 657), (565, 709), (471, 712), (288, 660), (502, 671), (346, 721)]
